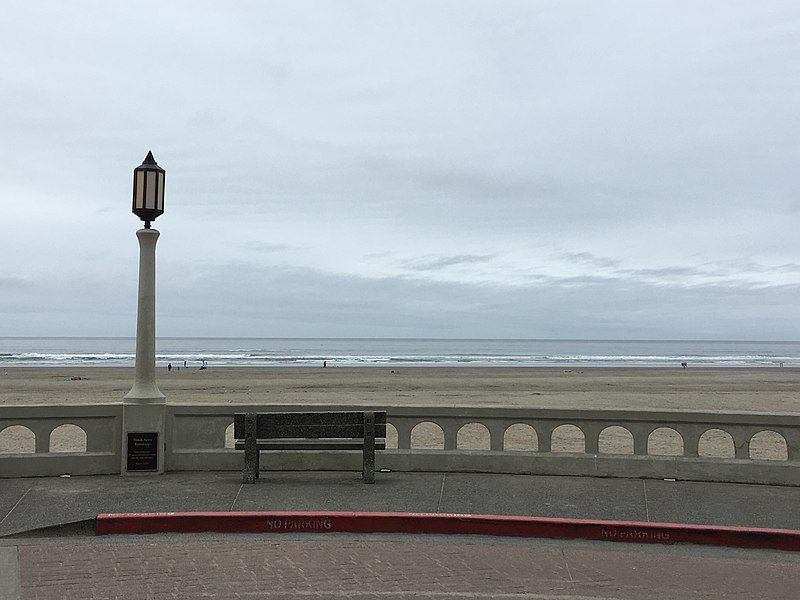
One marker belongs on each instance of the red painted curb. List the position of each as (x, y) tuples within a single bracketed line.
[(497, 525)]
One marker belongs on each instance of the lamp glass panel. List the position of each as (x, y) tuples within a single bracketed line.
[(150, 192), (139, 198), (160, 204)]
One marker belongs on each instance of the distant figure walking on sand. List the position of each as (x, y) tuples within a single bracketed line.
[(184, 364), (324, 363), (169, 366), (684, 364)]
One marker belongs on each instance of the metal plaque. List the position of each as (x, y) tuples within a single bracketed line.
[(143, 451)]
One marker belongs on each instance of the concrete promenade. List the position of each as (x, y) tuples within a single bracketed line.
[(49, 550)]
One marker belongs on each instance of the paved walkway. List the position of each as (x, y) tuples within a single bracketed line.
[(64, 560), (32, 503)]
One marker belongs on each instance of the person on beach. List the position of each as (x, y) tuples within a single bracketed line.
[(684, 364), (169, 366)]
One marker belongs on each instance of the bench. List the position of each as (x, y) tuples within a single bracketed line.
[(365, 431)]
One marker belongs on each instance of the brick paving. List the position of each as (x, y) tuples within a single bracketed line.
[(372, 567)]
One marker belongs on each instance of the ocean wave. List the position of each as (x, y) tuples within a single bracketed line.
[(383, 355), (401, 361), (57, 357)]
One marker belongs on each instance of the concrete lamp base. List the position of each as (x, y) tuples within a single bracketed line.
[(143, 440)]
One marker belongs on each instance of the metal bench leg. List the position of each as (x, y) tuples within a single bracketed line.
[(368, 470), (251, 454)]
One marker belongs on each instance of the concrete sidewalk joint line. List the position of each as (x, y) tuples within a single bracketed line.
[(441, 493), (443, 523), (646, 507), (239, 491), (21, 498)]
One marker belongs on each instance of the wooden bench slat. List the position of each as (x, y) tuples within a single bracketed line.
[(316, 431), (326, 419), (319, 418), (311, 445)]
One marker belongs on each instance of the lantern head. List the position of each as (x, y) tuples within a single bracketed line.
[(148, 190)]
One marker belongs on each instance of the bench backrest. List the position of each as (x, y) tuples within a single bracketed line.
[(309, 425)]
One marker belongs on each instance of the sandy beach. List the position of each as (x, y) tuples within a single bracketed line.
[(756, 389)]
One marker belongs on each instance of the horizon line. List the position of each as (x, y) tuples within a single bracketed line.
[(426, 339)]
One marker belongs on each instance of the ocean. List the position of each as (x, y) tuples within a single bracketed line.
[(266, 352)]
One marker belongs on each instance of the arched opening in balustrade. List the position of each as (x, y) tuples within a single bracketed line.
[(68, 438), (615, 440), (473, 436), (427, 435), (716, 443), (230, 442), (520, 437), (17, 439), (665, 441), (568, 438), (768, 445), (391, 436)]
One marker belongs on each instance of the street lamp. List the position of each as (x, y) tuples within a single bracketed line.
[(144, 405), (148, 190)]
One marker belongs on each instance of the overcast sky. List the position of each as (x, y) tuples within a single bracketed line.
[(458, 169)]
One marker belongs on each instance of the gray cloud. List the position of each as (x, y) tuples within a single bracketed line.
[(787, 268), (455, 169), (245, 299), (663, 272), (265, 247), (437, 263), (587, 258), (750, 266), (721, 270), (287, 300), (14, 283)]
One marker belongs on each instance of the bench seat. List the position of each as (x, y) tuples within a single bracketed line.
[(312, 444)]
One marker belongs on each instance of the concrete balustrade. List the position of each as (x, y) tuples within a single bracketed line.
[(613, 443), (97, 450)]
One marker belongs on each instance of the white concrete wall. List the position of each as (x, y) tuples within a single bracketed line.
[(102, 425), (195, 438)]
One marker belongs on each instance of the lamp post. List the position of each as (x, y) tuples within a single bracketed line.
[(143, 405), (148, 203)]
